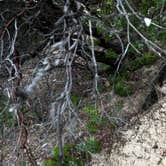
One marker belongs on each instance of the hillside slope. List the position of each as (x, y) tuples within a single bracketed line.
[(141, 142)]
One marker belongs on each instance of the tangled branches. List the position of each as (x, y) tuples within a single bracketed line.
[(56, 34)]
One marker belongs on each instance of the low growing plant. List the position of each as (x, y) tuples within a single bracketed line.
[(71, 155), (75, 154), (141, 61), (91, 145), (121, 87), (94, 121), (75, 99), (6, 117), (111, 54)]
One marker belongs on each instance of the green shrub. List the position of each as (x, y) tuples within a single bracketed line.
[(6, 117), (92, 125), (123, 89), (72, 156), (94, 121), (145, 60), (75, 154), (50, 163), (91, 110), (91, 144), (114, 79)]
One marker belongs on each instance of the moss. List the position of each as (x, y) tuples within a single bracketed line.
[(6, 118), (70, 153), (117, 107), (161, 35), (106, 8), (137, 44), (145, 60), (121, 85)]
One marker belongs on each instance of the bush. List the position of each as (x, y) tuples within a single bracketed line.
[(94, 121), (123, 89), (75, 154), (145, 60), (91, 144), (71, 154)]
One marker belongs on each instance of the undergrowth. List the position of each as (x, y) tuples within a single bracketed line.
[(95, 121), (6, 117), (75, 154), (141, 61), (122, 86)]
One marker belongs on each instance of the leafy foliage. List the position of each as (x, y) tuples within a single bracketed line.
[(73, 34)]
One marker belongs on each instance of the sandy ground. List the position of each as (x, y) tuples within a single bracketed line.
[(142, 142)]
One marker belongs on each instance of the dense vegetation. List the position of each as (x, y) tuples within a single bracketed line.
[(48, 51)]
